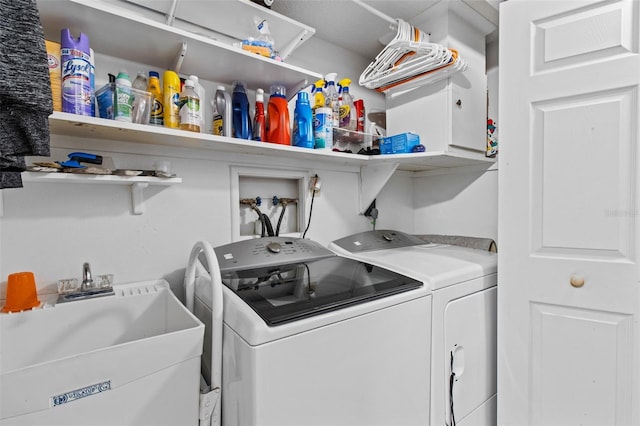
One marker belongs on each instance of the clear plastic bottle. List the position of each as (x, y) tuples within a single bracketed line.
[(331, 98), (199, 88), (157, 114), (189, 108), (141, 105), (348, 116)]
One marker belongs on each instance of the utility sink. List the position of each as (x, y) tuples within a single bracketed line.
[(128, 359)]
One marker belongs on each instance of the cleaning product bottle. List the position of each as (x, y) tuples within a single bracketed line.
[(189, 108), (318, 94), (259, 125), (278, 130), (171, 91), (157, 116), (241, 119), (199, 88), (303, 122), (348, 118), (124, 97), (223, 106), (75, 56), (141, 104), (331, 98), (322, 129)]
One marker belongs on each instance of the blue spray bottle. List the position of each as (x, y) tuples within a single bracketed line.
[(241, 119), (303, 122)]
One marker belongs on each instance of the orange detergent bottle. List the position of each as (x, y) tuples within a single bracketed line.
[(278, 125)]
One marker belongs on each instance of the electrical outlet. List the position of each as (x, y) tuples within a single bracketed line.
[(315, 184)]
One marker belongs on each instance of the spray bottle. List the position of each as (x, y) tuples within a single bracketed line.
[(331, 98), (348, 118), (259, 125), (318, 95)]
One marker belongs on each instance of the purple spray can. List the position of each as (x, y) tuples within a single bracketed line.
[(75, 56)]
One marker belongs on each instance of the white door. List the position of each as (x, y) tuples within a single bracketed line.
[(568, 298)]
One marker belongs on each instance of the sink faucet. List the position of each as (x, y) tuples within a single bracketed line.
[(87, 281)]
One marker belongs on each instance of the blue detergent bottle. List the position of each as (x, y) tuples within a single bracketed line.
[(241, 119), (303, 122)]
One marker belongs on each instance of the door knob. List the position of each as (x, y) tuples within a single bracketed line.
[(576, 281)]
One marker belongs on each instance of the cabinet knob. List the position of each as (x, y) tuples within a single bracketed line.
[(459, 102), (576, 281)]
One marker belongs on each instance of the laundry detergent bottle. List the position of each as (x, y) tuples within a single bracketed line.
[(259, 123), (241, 119), (278, 130), (303, 122)]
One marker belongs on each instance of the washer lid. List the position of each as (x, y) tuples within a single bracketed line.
[(291, 292)]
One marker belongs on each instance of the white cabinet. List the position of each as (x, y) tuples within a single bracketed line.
[(449, 115), (569, 297)]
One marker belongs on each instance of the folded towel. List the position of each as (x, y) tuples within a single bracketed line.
[(487, 244), (25, 99)]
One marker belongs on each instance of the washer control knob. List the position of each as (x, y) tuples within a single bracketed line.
[(387, 237), (274, 247)]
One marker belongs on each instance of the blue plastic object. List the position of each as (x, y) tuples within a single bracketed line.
[(241, 119), (402, 143), (303, 122)]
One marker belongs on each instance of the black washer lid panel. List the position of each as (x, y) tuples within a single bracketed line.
[(296, 291)]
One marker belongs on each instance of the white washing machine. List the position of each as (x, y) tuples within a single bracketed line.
[(308, 337), (462, 282)]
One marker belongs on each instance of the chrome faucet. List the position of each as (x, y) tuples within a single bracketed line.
[(87, 281)]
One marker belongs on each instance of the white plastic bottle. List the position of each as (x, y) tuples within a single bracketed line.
[(223, 106), (189, 108), (124, 98), (199, 88)]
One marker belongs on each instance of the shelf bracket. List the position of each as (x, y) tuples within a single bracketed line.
[(177, 62), (293, 44), (372, 179), (137, 197)]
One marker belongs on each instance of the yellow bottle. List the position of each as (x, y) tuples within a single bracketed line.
[(171, 89)]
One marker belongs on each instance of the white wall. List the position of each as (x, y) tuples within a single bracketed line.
[(51, 229)]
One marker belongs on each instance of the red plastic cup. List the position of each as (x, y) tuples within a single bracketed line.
[(21, 292)]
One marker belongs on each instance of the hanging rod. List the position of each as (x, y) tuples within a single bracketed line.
[(392, 21)]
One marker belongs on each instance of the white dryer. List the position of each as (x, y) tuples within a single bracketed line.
[(462, 282), (309, 337)]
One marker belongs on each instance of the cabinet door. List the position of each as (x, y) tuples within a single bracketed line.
[(568, 294)]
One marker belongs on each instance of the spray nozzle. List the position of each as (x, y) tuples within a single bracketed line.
[(344, 84)]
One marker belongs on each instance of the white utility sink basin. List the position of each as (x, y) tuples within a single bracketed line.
[(128, 359)]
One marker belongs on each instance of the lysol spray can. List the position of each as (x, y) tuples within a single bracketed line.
[(75, 56)]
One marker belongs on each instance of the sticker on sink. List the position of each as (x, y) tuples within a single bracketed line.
[(73, 395)]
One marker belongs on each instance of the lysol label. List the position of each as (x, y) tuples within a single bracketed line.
[(80, 393)]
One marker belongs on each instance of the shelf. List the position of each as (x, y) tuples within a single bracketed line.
[(138, 183), (61, 123), (120, 32), (236, 19)]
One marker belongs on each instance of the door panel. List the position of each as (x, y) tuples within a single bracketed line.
[(568, 299)]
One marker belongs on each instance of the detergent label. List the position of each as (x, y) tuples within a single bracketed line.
[(80, 393)]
